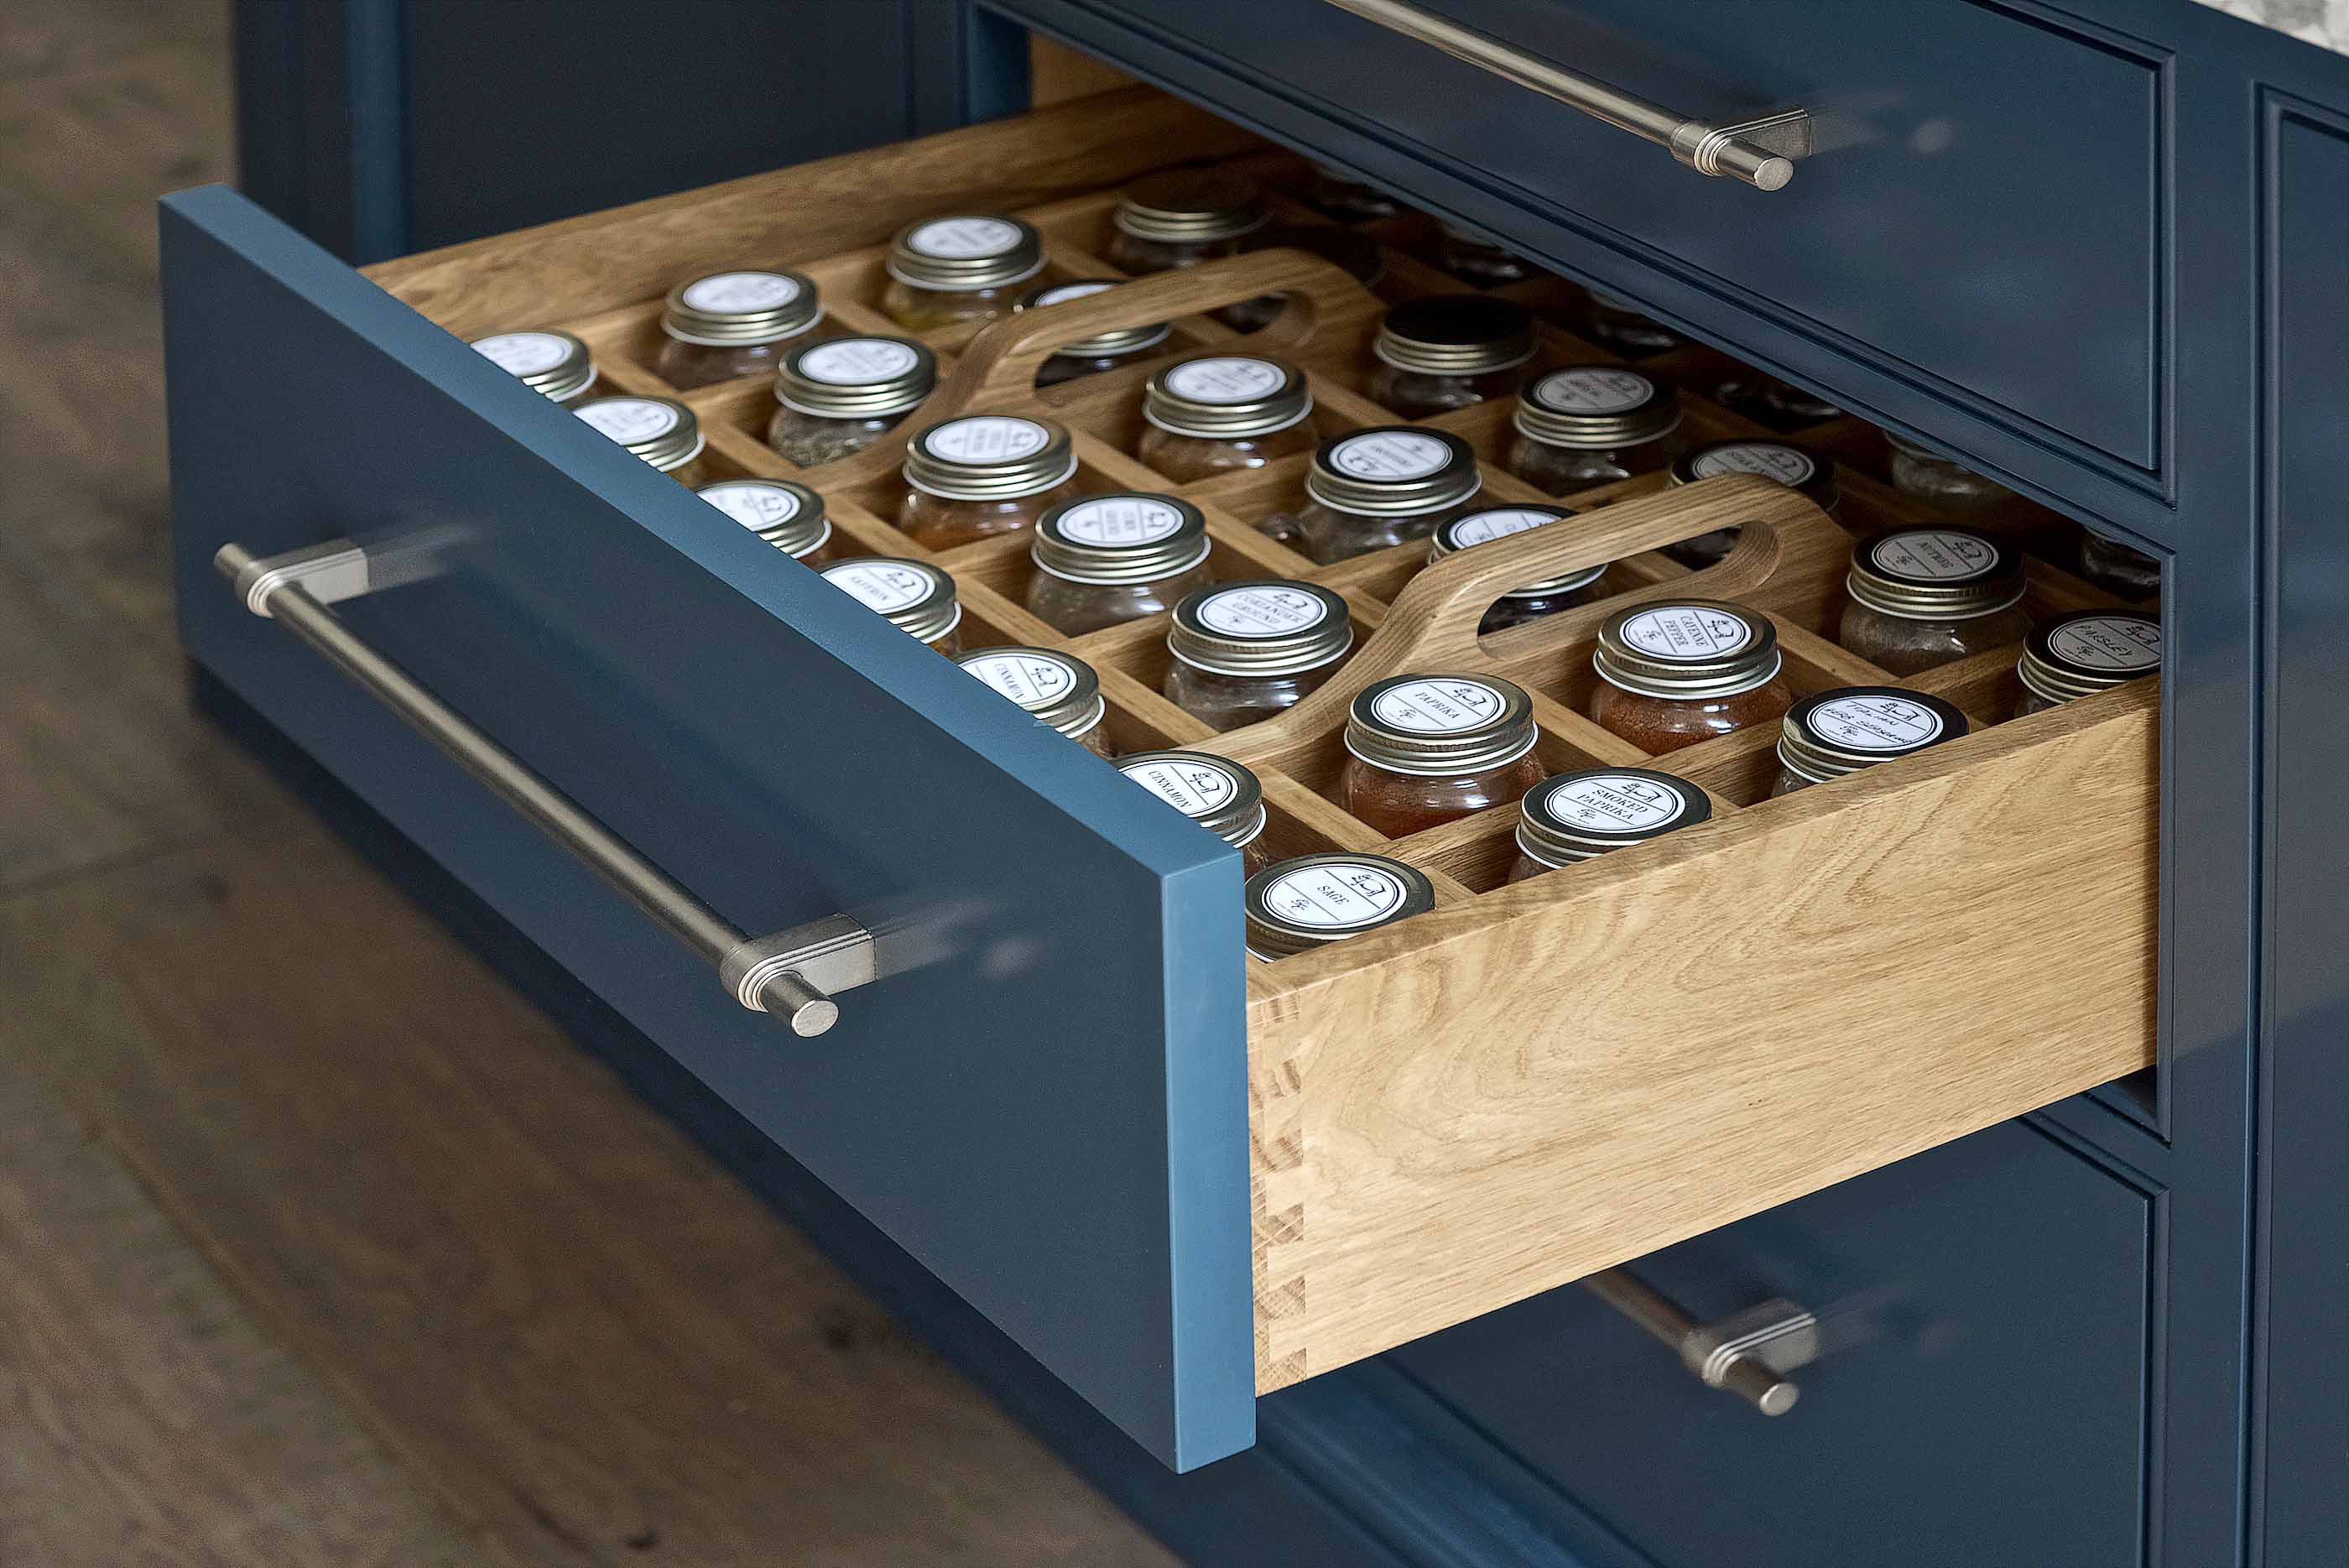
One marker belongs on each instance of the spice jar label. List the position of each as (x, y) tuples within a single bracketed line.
[(1873, 723), (523, 353), (1434, 707), (880, 586), (1061, 294), (1786, 464), (1031, 680), (1389, 455), (856, 361), (1935, 555), (732, 293), (986, 437), (1226, 378), (963, 239), (1260, 611), (1499, 522), (630, 419), (1686, 631), (2109, 642), (1120, 520), (1194, 789), (752, 503), (1615, 802), (1334, 896), (1591, 389)]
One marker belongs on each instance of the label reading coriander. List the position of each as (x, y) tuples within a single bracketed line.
[(1615, 802), (1885, 724), (755, 505), (1194, 789), (882, 586), (1592, 389), (986, 437), (1499, 522), (739, 292), (1389, 455), (1114, 520), (1334, 896), (1786, 464), (2114, 644), (1434, 707), (524, 353), (1935, 555), (1031, 680), (1228, 378), (856, 361), (1686, 631), (963, 239), (1259, 611), (630, 421)]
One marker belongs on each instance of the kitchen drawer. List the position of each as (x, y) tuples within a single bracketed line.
[(1979, 1395), (1176, 1177)]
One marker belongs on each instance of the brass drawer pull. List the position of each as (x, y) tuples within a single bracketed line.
[(1762, 153), (793, 974), (1748, 1353)]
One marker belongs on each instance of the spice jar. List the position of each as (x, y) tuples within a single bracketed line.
[(1931, 477), (1182, 217), (1221, 413), (1425, 749), (1533, 600), (1471, 259), (1090, 356), (948, 270), (1830, 733), (1923, 597), (1617, 324), (1105, 560), (1371, 489), (1361, 258), (1244, 651), (1312, 900), (661, 430), (840, 396), (1575, 816), (553, 363), (2081, 654), (1217, 793), (983, 475), (731, 324), (1449, 350), (1592, 424), (1789, 465), (1779, 404), (2118, 570), (1348, 199), (786, 515), (1055, 689), (915, 596), (1679, 671)]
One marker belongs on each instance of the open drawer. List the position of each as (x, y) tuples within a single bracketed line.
[(1179, 1179)]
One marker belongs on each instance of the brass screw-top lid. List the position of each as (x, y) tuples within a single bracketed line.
[(1393, 471), (964, 251), (1107, 345), (555, 363), (1789, 464), (989, 457), (1124, 537), (1935, 573), (1597, 407), (727, 309), (1060, 688), (1573, 817), (1270, 626), (1456, 334), (1313, 899), (1223, 397), (1190, 206), (661, 430), (1687, 648), (2090, 651), (786, 515), (1487, 523), (1830, 733), (915, 596), (1440, 725), (1217, 793), (856, 377)]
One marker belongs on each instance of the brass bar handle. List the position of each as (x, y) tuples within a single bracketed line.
[(792, 974), (1760, 151), (1748, 1353)]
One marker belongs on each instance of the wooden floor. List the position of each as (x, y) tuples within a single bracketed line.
[(364, 1265)]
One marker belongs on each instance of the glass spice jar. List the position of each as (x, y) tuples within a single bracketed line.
[(1472, 258), (1449, 350), (786, 515), (1090, 356), (1923, 597), (555, 364), (1217, 793), (2118, 570), (915, 596), (1831, 734), (1779, 404), (1348, 199), (1425, 749), (1244, 651), (1182, 217), (1105, 560), (1368, 490), (1789, 465), (1576, 816), (730, 324), (661, 430), (2081, 654), (1934, 479), (1620, 326), (983, 475), (838, 397), (1533, 600), (1222, 414), (1592, 424), (1678, 672), (1055, 688), (1311, 900), (944, 271)]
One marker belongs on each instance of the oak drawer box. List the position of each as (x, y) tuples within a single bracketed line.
[(1176, 1177)]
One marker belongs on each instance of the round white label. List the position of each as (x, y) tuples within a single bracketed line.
[(753, 502), (1873, 723), (1499, 522), (1226, 378), (1193, 788), (1615, 802), (880, 584), (1389, 455), (1031, 680), (1935, 555), (1786, 464), (986, 437), (739, 293), (1433, 707), (1687, 631), (1061, 294), (523, 353), (1592, 389), (2116, 643), (1334, 896), (630, 419), (1258, 611), (963, 239), (1112, 520), (857, 361)]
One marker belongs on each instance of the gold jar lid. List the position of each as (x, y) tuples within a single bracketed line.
[(1223, 397), (1436, 726), (1315, 900), (989, 457), (856, 377), (1487, 523), (1058, 689), (1393, 471), (1124, 537), (1270, 626), (723, 309), (786, 515), (1190, 206), (966, 251), (1789, 464), (1935, 573), (1830, 733), (1124, 340), (2090, 651), (1687, 648), (1573, 817), (548, 361), (661, 430), (1456, 334), (1217, 793), (915, 596), (1596, 408)]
